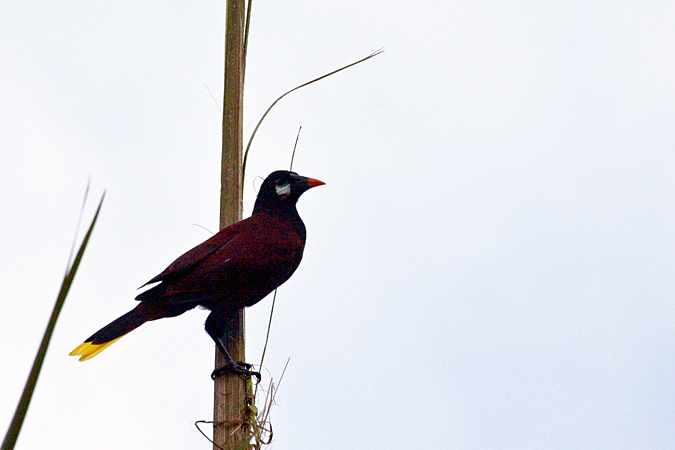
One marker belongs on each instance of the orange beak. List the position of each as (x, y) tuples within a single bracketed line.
[(313, 182)]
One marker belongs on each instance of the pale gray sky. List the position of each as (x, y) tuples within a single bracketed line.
[(489, 266)]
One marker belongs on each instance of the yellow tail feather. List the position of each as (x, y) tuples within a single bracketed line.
[(87, 350)]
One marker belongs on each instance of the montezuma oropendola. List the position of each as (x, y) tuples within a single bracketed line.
[(235, 268)]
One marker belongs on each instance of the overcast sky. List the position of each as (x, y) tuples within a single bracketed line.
[(490, 264)]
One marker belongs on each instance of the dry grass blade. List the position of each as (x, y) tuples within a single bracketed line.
[(21, 409), (248, 146), (261, 427)]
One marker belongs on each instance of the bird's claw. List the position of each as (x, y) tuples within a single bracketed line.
[(239, 368)]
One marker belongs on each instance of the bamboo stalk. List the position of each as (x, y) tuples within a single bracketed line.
[(229, 429)]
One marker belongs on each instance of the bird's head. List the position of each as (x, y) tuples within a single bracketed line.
[(283, 189)]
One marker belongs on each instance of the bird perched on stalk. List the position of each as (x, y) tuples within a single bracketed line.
[(235, 268)]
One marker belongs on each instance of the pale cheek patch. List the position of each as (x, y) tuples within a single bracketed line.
[(283, 190)]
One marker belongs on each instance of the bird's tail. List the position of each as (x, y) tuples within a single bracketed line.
[(110, 333)]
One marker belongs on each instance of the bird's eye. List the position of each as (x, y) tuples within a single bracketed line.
[(283, 187)]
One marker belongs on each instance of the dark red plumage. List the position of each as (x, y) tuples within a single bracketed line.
[(235, 268)]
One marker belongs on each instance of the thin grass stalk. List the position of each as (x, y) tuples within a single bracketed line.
[(246, 28), (255, 130)]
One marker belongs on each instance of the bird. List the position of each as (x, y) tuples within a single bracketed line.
[(235, 268)]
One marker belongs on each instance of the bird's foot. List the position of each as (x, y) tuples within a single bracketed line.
[(239, 368)]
